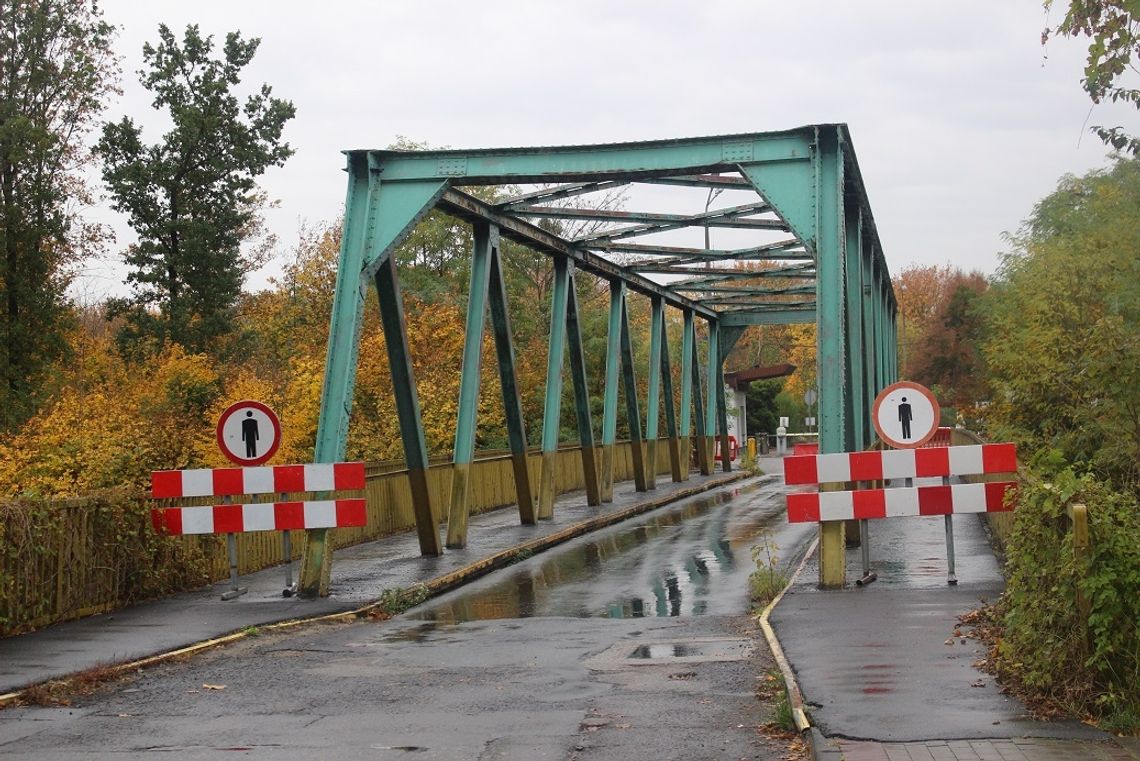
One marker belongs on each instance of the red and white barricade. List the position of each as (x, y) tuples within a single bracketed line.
[(259, 516), (945, 499), (733, 449)]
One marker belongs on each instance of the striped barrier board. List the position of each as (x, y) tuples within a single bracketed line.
[(280, 479), (261, 516), (969, 460), (812, 507)]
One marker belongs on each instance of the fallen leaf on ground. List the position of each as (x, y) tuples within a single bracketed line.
[(213, 687)]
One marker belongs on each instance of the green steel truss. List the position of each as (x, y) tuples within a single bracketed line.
[(804, 249)]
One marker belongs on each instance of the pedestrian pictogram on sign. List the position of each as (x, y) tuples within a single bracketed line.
[(248, 433), (905, 415)]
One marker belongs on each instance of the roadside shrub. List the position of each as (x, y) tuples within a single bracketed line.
[(769, 578), (1089, 667)]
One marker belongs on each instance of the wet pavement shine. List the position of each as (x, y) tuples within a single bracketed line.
[(883, 673), (632, 643), (692, 559), (360, 574)]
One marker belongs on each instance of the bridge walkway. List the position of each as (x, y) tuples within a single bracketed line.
[(887, 670), (359, 578)]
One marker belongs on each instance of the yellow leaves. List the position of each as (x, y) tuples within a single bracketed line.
[(802, 355)]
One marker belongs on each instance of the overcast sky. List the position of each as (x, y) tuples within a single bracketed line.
[(961, 120)]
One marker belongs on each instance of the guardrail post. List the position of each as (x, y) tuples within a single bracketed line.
[(1079, 515)]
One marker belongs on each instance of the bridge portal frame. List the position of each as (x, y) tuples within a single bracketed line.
[(809, 183)]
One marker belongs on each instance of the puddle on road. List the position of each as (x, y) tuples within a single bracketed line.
[(674, 650), (670, 564)]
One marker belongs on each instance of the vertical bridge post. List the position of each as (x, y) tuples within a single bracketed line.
[(610, 400)]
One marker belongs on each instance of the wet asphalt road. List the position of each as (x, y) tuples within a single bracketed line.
[(630, 643), (692, 559)]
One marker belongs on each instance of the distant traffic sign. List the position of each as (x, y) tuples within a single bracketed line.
[(905, 415), (248, 433)]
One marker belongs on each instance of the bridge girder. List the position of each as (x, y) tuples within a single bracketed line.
[(804, 181)]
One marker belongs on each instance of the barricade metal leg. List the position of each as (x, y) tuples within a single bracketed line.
[(865, 548), (287, 549), (231, 549), (950, 577), (865, 545)]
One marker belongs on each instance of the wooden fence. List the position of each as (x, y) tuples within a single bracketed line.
[(67, 559)]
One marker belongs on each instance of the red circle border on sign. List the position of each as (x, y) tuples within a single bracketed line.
[(912, 386), (245, 404)]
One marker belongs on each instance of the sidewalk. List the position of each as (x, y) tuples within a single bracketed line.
[(885, 676), (360, 574)]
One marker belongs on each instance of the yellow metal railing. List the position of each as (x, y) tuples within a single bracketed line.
[(67, 559)]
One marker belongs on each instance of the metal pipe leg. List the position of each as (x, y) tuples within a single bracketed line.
[(950, 577), (287, 548), (865, 550), (231, 549)]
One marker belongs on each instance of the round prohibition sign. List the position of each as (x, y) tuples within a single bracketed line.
[(905, 415), (248, 433)]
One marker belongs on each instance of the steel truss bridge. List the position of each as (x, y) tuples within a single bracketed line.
[(803, 248)]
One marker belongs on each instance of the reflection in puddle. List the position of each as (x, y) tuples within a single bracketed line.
[(668, 565), (674, 650)]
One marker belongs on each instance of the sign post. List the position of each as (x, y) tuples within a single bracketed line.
[(906, 416), (249, 433)]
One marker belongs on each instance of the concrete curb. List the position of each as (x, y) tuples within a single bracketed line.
[(435, 587), (821, 748)]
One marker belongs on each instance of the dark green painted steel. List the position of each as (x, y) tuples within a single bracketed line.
[(633, 415), (667, 383), (870, 387), (509, 381), (407, 404), (581, 393), (715, 395), (668, 400), (853, 380), (472, 209), (653, 395), (808, 182), (688, 339), (593, 163), (830, 303), (610, 389), (702, 430), (473, 344), (552, 409)]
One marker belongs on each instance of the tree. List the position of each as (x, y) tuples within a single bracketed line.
[(944, 356), (56, 69), (1061, 339), (938, 330), (763, 411), (1114, 31), (192, 198)]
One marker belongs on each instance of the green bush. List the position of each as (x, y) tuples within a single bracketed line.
[(1089, 667)]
